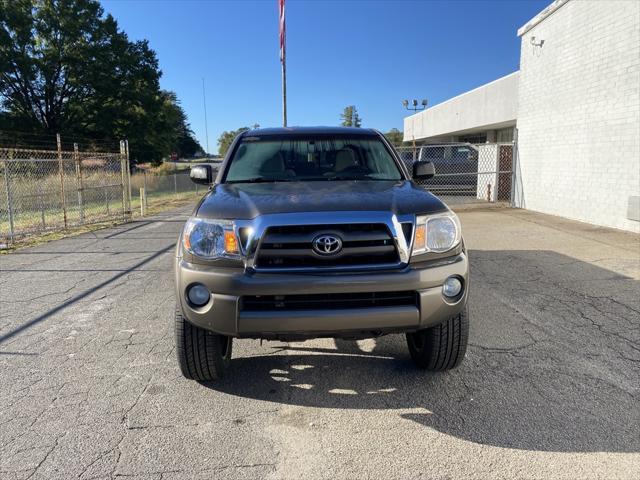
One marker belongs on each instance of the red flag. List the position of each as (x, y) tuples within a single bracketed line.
[(283, 32)]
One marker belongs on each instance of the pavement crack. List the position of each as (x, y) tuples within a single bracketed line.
[(55, 445)]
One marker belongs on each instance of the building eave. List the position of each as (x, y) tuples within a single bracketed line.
[(481, 108), (543, 15), (464, 94)]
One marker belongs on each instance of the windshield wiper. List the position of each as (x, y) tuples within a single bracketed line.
[(348, 177), (261, 180)]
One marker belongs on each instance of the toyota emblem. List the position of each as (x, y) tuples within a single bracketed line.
[(327, 244)]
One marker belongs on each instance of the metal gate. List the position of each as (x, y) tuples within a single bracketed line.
[(48, 190), (465, 172)]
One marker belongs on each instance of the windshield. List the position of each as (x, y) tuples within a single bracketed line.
[(290, 159)]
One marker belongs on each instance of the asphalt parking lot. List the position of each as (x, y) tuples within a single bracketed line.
[(89, 386)]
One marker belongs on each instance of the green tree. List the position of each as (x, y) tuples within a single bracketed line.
[(350, 117), (172, 122), (188, 146), (66, 68), (43, 49), (395, 137), (226, 138)]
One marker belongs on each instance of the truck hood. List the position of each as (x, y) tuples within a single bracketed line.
[(249, 200)]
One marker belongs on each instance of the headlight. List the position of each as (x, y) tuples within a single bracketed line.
[(210, 238), (436, 233)]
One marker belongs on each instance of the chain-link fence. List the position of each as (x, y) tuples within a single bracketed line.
[(170, 183), (47, 190), (465, 172)]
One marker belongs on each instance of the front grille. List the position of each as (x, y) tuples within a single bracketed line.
[(292, 246), (327, 301)]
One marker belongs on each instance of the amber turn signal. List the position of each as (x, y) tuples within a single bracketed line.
[(230, 242), (420, 238)]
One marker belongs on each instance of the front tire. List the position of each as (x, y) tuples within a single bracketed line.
[(202, 355), (441, 347)]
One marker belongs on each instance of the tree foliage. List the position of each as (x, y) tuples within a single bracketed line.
[(226, 138), (395, 137), (350, 117), (67, 68)]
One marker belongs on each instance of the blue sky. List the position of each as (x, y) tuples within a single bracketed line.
[(368, 53)]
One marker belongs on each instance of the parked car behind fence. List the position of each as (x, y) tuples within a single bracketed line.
[(466, 172)]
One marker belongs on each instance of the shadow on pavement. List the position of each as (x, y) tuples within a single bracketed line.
[(61, 306), (553, 363)]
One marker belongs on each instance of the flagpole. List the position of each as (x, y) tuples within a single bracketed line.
[(283, 57)]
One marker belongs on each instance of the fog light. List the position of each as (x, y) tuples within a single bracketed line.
[(452, 287), (198, 295)]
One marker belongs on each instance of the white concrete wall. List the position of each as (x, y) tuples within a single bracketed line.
[(579, 112), (493, 105)]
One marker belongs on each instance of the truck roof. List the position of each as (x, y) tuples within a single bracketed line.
[(360, 132)]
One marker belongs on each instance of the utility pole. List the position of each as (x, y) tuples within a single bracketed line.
[(206, 129)]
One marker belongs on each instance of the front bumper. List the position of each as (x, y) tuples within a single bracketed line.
[(223, 313)]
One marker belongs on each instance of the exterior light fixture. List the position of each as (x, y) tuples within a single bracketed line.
[(414, 105)]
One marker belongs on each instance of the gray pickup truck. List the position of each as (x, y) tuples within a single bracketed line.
[(318, 232)]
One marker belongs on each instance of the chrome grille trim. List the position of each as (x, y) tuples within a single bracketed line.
[(258, 226), (293, 246)]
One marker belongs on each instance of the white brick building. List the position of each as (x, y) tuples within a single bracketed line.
[(578, 113)]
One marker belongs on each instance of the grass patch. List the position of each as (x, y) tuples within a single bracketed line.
[(165, 201), (156, 204)]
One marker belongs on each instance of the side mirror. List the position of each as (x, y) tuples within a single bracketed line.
[(201, 174), (423, 170)]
